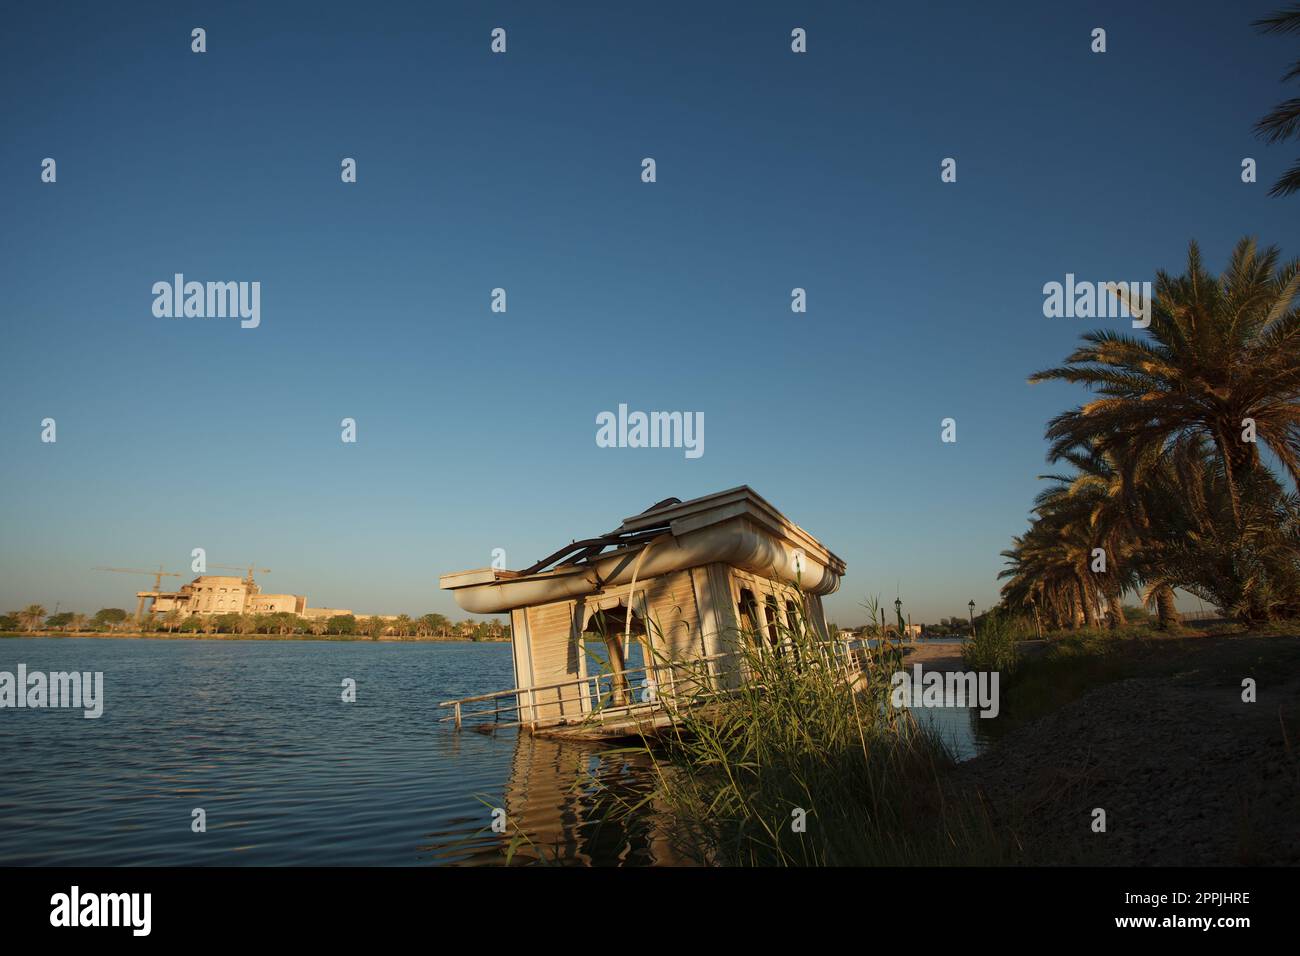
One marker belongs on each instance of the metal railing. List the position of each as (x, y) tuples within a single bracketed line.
[(645, 692)]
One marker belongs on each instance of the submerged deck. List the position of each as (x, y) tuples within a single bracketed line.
[(629, 704)]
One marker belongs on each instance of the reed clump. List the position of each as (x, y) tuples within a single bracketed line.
[(993, 648), (799, 766)]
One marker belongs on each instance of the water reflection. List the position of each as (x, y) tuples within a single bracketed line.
[(570, 803), (566, 804), (961, 729)]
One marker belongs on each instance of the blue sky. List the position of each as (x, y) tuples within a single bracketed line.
[(522, 171)]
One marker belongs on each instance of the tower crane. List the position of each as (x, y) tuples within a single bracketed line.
[(250, 569), (157, 582)]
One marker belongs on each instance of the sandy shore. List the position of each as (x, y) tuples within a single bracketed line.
[(947, 657)]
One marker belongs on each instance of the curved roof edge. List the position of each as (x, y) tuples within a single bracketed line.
[(737, 527)]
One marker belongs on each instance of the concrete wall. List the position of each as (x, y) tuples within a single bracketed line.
[(319, 613), (271, 604), (217, 594)]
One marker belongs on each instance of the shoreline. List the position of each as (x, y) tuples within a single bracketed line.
[(1159, 735), (327, 638)]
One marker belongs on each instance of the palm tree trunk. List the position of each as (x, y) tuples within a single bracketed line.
[(1085, 599), (1166, 611), (1228, 452), (1116, 611)]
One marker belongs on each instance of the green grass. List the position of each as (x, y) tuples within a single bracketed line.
[(1068, 669), (1074, 662)]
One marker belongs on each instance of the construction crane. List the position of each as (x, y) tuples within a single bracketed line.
[(250, 569), (157, 582)]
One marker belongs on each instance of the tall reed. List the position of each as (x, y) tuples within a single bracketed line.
[(801, 766)]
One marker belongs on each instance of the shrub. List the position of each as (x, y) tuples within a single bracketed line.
[(993, 648)]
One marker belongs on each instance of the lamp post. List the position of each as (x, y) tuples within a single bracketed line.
[(971, 605), (898, 615)]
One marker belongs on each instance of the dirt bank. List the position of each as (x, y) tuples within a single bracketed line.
[(1187, 772)]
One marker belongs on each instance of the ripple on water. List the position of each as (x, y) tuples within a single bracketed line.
[(255, 733)]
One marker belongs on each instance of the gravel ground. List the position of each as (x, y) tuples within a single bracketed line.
[(1187, 773)]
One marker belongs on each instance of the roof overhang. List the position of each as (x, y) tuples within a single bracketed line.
[(737, 527)]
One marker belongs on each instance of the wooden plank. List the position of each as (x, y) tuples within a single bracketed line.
[(555, 655)]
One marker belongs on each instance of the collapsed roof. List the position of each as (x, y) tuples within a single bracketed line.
[(736, 527)]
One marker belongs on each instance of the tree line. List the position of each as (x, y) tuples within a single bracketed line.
[(1181, 471), (35, 618)]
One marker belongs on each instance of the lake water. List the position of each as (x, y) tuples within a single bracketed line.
[(255, 733)]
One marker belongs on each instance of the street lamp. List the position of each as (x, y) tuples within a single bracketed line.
[(971, 605), (898, 616)]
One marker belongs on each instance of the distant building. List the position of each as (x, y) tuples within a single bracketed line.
[(227, 594), (322, 613)]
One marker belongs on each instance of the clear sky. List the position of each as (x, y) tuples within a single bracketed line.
[(523, 171)]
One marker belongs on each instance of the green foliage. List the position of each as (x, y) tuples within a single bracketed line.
[(1169, 484), (797, 737), (279, 624), (993, 648), (1136, 614), (1283, 121), (342, 624), (1246, 563), (434, 624)]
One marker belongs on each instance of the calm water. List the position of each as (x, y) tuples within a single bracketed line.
[(961, 729), (256, 734)]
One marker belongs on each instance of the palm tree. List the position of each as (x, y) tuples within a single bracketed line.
[(1220, 351), (1092, 502), (32, 617), (1054, 567), (1121, 517), (1284, 122), (1043, 572), (1244, 562)]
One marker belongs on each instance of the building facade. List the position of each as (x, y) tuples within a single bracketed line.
[(229, 594)]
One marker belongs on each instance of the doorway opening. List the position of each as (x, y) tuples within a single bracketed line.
[(604, 645)]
